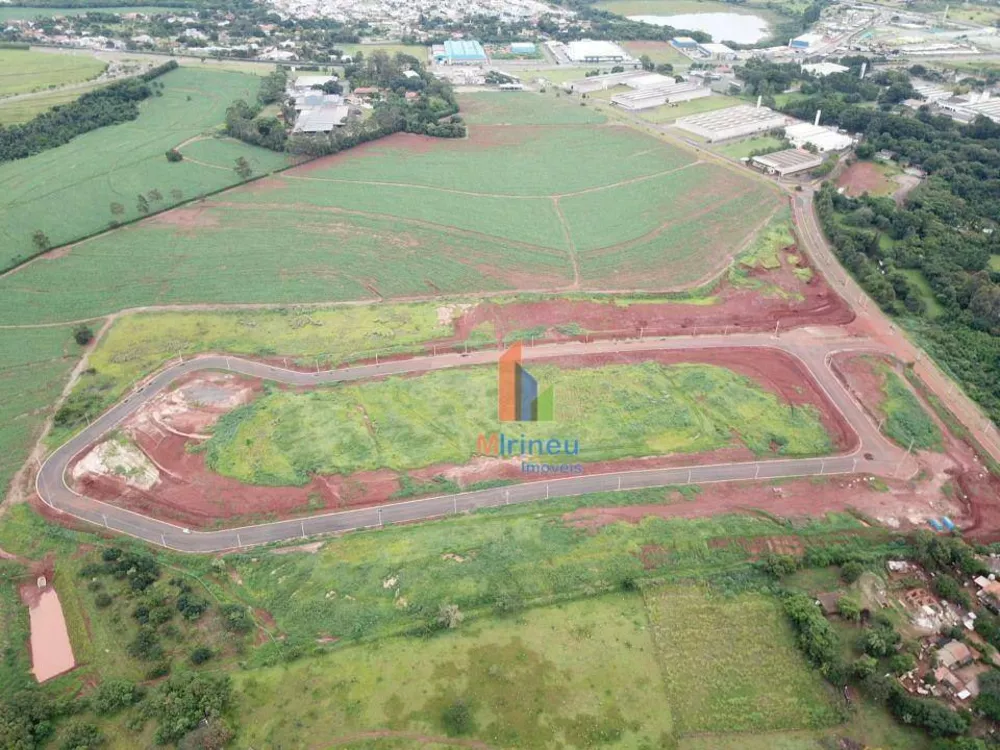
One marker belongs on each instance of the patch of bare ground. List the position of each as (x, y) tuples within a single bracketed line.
[(895, 503), (189, 218), (953, 480), (864, 177)]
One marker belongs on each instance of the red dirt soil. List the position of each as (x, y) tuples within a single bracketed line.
[(862, 177), (190, 494), (900, 505), (976, 490)]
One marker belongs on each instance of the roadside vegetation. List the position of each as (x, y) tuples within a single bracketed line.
[(34, 367), (613, 411), (907, 422)]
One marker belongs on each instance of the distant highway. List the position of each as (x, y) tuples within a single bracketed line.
[(872, 453)]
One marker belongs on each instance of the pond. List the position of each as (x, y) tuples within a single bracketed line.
[(735, 27), (51, 652)]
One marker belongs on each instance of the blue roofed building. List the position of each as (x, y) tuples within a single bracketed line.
[(459, 52)]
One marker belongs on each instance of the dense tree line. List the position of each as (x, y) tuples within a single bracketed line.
[(946, 229), (110, 105)]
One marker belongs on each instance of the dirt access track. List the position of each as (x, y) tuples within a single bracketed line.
[(811, 347), (158, 475)]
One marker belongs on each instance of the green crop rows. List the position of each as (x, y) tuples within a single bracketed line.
[(67, 192)]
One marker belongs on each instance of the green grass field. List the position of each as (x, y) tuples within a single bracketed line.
[(658, 52), (409, 423), (14, 111), (501, 210), (115, 164), (22, 71), (138, 344), (906, 419), (750, 678), (934, 308), (34, 365), (542, 680)]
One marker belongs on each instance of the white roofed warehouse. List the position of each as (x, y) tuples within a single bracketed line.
[(590, 51), (824, 139), (656, 96), (787, 162), (732, 122)]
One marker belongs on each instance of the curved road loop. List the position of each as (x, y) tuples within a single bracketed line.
[(871, 453)]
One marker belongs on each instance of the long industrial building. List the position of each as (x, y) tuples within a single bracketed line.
[(656, 96), (732, 122), (787, 162), (634, 79), (590, 51), (824, 139)]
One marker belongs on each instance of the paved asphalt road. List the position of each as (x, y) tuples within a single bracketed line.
[(871, 452)]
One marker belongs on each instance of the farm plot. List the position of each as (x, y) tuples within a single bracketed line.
[(752, 679), (34, 364), (511, 161), (409, 216), (22, 71), (234, 255), (402, 424), (114, 165), (530, 220)]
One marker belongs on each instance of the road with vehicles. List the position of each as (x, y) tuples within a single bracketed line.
[(870, 451)]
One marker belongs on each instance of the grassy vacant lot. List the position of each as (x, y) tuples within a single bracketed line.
[(500, 561), (138, 344), (750, 678), (572, 675), (906, 419), (15, 662), (507, 108), (658, 52), (409, 423), (520, 206), (116, 164), (22, 71), (34, 365)]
